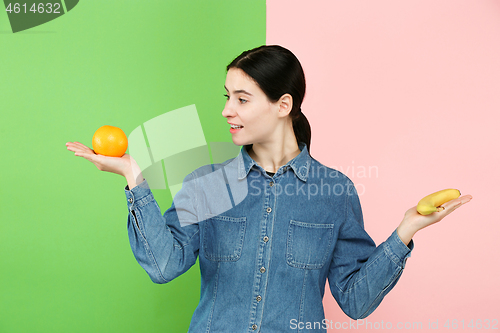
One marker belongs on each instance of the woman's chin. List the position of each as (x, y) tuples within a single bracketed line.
[(240, 142)]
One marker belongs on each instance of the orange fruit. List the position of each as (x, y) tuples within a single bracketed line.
[(110, 141)]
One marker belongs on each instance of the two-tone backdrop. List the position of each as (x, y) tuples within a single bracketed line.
[(403, 97)]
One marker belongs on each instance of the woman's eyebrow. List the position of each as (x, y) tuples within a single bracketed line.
[(239, 91)]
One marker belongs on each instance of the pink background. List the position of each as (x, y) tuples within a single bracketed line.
[(412, 90)]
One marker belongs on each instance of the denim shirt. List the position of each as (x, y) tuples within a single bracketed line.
[(266, 245)]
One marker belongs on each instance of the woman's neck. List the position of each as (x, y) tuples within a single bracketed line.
[(271, 156)]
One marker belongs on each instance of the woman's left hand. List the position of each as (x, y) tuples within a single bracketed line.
[(414, 221)]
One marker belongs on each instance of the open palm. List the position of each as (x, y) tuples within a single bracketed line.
[(414, 221), (118, 165)]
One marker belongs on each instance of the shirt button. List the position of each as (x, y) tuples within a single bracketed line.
[(268, 209), (254, 327), (130, 200), (271, 184), (262, 269), (258, 298), (265, 239)]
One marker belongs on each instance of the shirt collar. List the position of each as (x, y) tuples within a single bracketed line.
[(300, 164)]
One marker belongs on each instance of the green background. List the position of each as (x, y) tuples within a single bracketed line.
[(66, 264)]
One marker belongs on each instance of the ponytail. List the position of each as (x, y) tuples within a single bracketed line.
[(302, 130)]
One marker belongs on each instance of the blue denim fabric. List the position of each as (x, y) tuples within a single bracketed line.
[(266, 245)]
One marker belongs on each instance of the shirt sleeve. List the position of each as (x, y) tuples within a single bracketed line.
[(164, 245), (361, 274)]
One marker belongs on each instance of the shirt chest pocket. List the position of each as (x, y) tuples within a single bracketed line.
[(308, 244), (223, 237)]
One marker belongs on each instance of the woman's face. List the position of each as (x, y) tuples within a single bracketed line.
[(249, 108)]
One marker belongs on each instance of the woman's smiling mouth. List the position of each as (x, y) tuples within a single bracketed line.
[(235, 128)]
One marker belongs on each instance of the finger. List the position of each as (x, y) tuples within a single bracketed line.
[(72, 144), (73, 148), (90, 156), (457, 202), (79, 148), (465, 198), (70, 147), (81, 145), (87, 156), (451, 206)]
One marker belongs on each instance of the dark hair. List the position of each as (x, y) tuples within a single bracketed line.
[(277, 71)]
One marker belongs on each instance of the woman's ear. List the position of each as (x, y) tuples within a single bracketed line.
[(285, 105)]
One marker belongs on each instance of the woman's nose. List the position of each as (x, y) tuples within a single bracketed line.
[(227, 112)]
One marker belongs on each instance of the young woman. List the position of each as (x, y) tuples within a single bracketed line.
[(271, 225)]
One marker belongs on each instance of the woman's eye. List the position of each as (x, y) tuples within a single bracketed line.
[(242, 100)]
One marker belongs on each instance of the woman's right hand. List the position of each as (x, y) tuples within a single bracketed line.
[(119, 165)]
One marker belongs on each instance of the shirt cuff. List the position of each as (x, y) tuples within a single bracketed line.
[(397, 250), (139, 195)]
